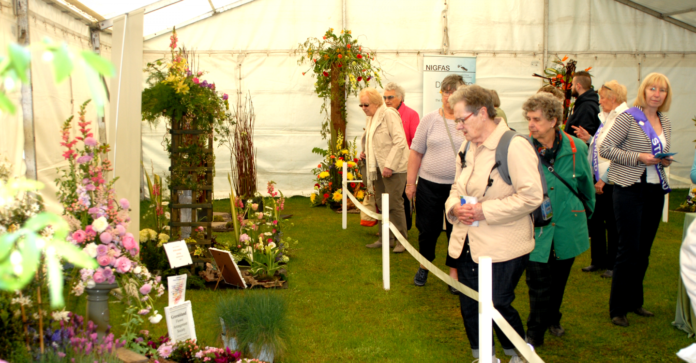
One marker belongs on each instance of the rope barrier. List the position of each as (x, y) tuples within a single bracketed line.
[(516, 340)]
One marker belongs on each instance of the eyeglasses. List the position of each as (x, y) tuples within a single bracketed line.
[(605, 86), (462, 120), (447, 93), (389, 97), (364, 105)]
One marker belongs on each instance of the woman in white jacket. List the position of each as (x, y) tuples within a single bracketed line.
[(612, 99)]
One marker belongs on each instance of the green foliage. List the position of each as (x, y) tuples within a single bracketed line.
[(15, 68), (12, 337)]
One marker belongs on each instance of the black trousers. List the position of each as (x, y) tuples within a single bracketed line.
[(430, 212), (638, 210), (604, 238), (547, 282), (506, 275), (408, 211)]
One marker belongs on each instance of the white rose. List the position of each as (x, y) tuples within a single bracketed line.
[(138, 270), (91, 284), (272, 245), (91, 250), (155, 318), (100, 224), (167, 215)]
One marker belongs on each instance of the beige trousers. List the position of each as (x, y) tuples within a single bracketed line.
[(394, 186)]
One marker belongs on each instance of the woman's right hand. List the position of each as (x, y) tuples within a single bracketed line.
[(599, 186), (648, 159), (410, 191), (362, 155)]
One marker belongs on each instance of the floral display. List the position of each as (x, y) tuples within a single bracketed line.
[(561, 76), (189, 351), (342, 67), (98, 221), (328, 180)]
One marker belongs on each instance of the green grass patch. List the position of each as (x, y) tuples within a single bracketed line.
[(338, 310)]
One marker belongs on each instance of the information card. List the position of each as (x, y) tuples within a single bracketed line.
[(180, 322), (178, 254), (177, 289)]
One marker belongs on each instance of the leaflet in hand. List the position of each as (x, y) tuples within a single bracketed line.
[(469, 200), (664, 155)]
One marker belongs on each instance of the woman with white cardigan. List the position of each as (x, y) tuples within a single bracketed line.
[(604, 237)]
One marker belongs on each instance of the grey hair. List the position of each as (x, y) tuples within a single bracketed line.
[(452, 82), (391, 86)]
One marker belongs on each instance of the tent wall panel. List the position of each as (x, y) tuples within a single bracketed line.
[(12, 137)]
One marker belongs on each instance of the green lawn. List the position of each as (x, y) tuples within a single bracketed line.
[(338, 310)]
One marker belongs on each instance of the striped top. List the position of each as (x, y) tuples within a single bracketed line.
[(623, 144)]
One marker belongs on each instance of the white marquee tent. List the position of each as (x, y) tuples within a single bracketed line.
[(248, 46)]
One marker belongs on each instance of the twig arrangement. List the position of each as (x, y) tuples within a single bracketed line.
[(240, 141)]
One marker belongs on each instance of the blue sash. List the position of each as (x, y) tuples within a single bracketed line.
[(595, 152), (647, 128)]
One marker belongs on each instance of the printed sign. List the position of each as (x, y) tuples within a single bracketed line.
[(178, 254), (177, 289), (435, 69), (228, 268), (180, 322)]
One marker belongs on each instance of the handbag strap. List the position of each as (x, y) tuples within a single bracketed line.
[(448, 132), (550, 168)]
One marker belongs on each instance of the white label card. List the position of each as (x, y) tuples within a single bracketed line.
[(180, 322), (178, 254), (177, 289)]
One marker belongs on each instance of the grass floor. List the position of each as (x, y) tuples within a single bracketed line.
[(338, 310)]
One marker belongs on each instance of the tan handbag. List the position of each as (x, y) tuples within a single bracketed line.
[(369, 203)]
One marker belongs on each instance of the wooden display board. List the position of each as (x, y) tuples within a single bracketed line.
[(229, 270)]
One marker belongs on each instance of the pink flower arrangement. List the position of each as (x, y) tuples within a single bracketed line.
[(99, 219)]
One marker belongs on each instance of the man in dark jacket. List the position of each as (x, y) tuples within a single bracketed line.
[(586, 109)]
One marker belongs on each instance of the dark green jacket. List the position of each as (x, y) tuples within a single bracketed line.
[(568, 228)]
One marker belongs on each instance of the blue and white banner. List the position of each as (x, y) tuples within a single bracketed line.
[(435, 69)]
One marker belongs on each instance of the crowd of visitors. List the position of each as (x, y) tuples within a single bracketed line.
[(600, 177)]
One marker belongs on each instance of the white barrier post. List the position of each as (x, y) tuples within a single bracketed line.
[(485, 310), (344, 178), (385, 240)]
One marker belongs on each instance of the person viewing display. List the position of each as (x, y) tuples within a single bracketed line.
[(552, 91), (636, 145), (571, 190), (432, 162), (386, 155), (394, 96), (499, 224), (496, 102), (604, 238), (586, 106)]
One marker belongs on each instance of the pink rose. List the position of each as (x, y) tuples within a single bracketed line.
[(105, 260), (90, 230), (106, 237), (129, 242), (79, 236), (120, 229), (123, 265), (195, 80), (145, 289), (90, 141), (124, 203), (99, 277)]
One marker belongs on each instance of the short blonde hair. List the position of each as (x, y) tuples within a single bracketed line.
[(614, 89), (552, 91), (652, 79), (391, 86), (549, 105), (475, 98), (372, 94)]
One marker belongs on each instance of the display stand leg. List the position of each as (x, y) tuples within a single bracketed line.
[(219, 278)]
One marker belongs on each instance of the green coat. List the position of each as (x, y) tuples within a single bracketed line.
[(568, 227)]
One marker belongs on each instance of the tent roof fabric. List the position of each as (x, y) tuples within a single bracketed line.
[(187, 11)]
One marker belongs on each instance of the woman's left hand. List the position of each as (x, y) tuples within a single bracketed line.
[(581, 133), (386, 172), (666, 161)]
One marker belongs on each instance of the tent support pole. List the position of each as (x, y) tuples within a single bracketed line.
[(95, 38), (22, 12), (546, 36)]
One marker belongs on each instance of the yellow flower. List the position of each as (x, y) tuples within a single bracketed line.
[(337, 196), (350, 176), (339, 164), (324, 174), (351, 164), (360, 194), (313, 197), (344, 151)]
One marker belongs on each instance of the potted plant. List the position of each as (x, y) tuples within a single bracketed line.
[(257, 322)]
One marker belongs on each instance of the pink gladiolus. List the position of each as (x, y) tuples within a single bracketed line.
[(195, 80), (124, 203), (123, 265), (90, 141), (106, 237), (79, 236), (129, 242), (145, 289)]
